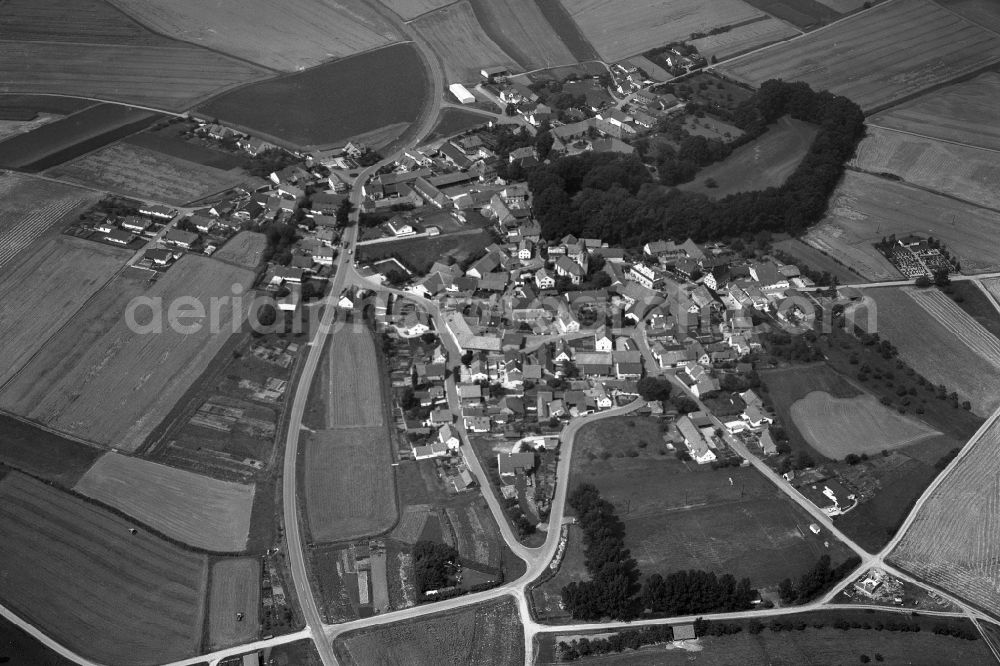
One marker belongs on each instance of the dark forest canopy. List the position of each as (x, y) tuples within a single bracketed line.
[(612, 197)]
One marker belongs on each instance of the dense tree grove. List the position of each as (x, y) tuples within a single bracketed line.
[(613, 589), (614, 198), (433, 565), (817, 580)]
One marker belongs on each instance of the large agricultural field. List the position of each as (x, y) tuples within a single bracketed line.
[(191, 508), (622, 28), (804, 14), (766, 162), (984, 12), (38, 301), (964, 112), (29, 207), (878, 57), (456, 37), (168, 77), (44, 454), (74, 570), (134, 171), (966, 173), (346, 390), (864, 208), (807, 255), (487, 634), (235, 588), (374, 93), (133, 376), (743, 38), (72, 136), (941, 342), (289, 36), (952, 542), (349, 486), (838, 426), (523, 32), (411, 9)]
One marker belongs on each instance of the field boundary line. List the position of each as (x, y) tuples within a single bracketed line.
[(965, 18), (423, 14), (930, 138), (938, 193)]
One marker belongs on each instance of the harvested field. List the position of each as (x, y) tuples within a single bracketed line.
[(839, 426), (766, 162), (487, 634), (964, 112), (959, 322), (245, 249), (879, 56), (362, 95), (970, 174), (806, 255), (456, 37), (235, 589), (89, 21), (75, 571), (743, 38), (73, 136), (937, 345), (864, 208), (346, 390), (984, 12), (349, 487), (622, 28), (291, 36), (38, 301), (134, 171), (523, 32), (410, 9), (29, 207), (191, 508), (804, 14), (132, 377), (952, 542), (169, 77)]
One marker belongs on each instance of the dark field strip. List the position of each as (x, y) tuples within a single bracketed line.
[(43, 103), (567, 29), (66, 139), (44, 454)]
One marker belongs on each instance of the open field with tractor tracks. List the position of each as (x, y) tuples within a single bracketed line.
[(523, 32), (233, 602), (458, 40)]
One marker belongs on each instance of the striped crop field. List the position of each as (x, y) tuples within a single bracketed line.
[(954, 540), (960, 323), (877, 57), (346, 390), (744, 38)]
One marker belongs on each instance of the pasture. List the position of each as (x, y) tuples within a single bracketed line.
[(114, 385), (523, 31), (74, 570), (291, 36), (38, 301), (134, 171), (486, 634), (879, 56), (806, 255), (622, 28), (191, 508), (245, 249), (864, 208), (72, 136), (952, 542), (838, 426), (458, 40), (964, 112), (744, 37), (966, 173), (943, 343), (235, 588), (335, 102), (346, 390), (766, 162), (171, 77), (29, 207), (681, 515), (349, 486)]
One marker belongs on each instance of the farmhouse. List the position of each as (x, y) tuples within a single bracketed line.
[(512, 463), (119, 237), (698, 447), (184, 239), (135, 224), (157, 211)]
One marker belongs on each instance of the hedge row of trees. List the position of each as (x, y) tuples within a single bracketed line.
[(613, 589), (816, 581), (614, 198)]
